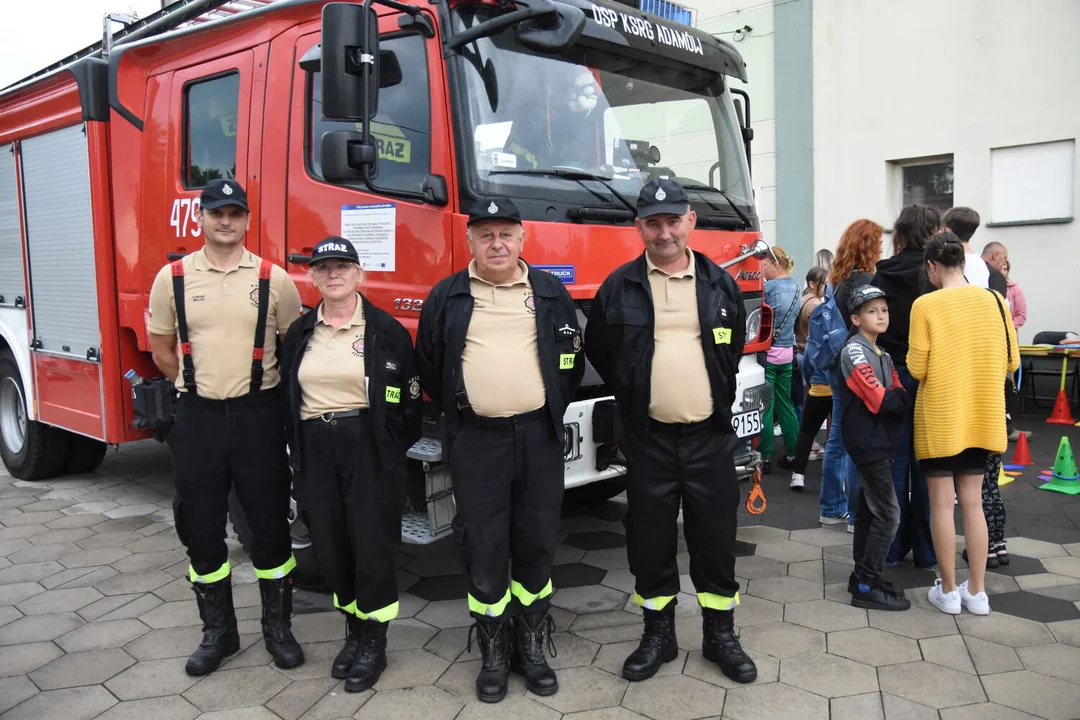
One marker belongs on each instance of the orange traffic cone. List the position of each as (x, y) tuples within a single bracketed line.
[(1062, 413), (1022, 454)]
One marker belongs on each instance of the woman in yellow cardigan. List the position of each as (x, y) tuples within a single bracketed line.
[(962, 344)]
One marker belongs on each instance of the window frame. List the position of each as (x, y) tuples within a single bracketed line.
[(896, 176), (1050, 220), (185, 122), (362, 185)]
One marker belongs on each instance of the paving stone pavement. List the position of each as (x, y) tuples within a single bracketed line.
[(97, 619)]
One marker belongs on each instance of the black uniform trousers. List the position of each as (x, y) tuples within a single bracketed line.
[(691, 463), (221, 444), (508, 487), (354, 513)]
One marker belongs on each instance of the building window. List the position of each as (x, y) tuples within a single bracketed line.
[(402, 128), (1032, 183), (210, 114), (927, 181)]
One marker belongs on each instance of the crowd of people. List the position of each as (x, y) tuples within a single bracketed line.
[(911, 360)]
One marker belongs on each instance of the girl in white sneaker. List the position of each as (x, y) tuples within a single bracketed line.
[(961, 345)]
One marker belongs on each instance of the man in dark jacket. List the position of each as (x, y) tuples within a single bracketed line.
[(498, 348), (873, 404), (665, 333)]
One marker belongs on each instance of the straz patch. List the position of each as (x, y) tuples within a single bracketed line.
[(721, 336), (393, 394), (567, 361), (358, 346), (530, 302), (414, 388)]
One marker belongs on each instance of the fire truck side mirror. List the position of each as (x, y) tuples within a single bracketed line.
[(554, 31), (350, 62)]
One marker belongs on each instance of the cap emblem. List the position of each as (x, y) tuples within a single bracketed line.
[(226, 190), (493, 208), (661, 196)]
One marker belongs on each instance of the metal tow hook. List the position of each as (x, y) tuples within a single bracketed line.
[(756, 493)]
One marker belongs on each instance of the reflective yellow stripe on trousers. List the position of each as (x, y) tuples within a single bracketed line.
[(278, 572), (382, 615), (220, 574), (493, 610), (717, 602), (527, 598), (654, 603)]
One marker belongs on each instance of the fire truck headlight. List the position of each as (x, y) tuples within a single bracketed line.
[(753, 325)]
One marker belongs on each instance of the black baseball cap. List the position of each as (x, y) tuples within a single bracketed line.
[(334, 248), (219, 193), (864, 294), (494, 209), (662, 197)]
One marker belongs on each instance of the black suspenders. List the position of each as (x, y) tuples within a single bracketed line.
[(188, 370)]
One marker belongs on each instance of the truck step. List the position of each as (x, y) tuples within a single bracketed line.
[(426, 449), (416, 530)]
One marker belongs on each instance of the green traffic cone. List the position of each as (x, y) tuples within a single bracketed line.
[(1064, 478)]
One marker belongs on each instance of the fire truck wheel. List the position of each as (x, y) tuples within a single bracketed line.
[(307, 575), (83, 454), (30, 450), (593, 493)]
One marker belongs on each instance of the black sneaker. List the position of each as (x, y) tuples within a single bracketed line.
[(879, 596)]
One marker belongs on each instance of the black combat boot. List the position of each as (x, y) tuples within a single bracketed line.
[(370, 658), (220, 638), (277, 622), (347, 656), (527, 658), (658, 645), (720, 644), (493, 636)]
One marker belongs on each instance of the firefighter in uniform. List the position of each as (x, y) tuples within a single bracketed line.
[(498, 349), (227, 307), (352, 399), (665, 333)]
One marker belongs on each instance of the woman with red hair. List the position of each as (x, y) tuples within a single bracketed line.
[(857, 253)]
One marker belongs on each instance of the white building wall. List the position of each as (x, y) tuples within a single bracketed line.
[(918, 78), (723, 18)]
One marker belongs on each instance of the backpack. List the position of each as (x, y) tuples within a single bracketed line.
[(826, 336)]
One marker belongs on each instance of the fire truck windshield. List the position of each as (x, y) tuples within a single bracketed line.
[(531, 120)]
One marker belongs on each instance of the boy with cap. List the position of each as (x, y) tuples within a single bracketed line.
[(874, 404)]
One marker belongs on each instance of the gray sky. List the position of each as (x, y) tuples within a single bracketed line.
[(55, 29)]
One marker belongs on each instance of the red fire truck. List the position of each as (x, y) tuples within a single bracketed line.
[(380, 121)]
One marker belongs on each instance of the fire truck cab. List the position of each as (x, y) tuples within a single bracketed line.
[(382, 122)]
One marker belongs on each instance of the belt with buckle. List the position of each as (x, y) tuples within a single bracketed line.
[(340, 415)]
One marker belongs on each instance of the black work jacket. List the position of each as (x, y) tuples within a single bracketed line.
[(393, 384), (620, 336), (440, 342)]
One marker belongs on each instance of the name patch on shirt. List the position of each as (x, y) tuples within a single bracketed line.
[(721, 336)]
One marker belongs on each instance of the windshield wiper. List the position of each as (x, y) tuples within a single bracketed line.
[(699, 188), (576, 175)]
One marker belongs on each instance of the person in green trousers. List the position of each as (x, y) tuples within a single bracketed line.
[(782, 295)]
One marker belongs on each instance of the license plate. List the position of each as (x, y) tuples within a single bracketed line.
[(747, 424)]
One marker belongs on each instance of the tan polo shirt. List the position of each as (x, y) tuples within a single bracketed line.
[(501, 361), (331, 375), (222, 310), (680, 390)]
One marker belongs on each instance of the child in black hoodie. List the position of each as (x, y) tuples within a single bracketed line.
[(874, 404)]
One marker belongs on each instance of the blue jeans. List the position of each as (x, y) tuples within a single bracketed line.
[(837, 470), (908, 477)]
